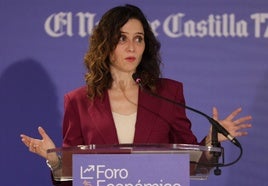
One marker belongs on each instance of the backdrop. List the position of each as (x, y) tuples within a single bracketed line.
[(217, 48)]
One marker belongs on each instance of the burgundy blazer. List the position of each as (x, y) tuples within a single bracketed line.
[(158, 121)]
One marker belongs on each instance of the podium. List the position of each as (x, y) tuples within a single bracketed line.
[(201, 158)]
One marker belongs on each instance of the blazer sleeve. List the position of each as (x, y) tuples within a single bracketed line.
[(71, 127), (181, 131)]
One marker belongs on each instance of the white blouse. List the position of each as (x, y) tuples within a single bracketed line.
[(125, 127)]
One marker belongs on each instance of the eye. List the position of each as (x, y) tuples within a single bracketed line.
[(139, 39), (122, 39)]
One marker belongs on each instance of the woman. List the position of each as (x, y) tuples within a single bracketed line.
[(111, 108)]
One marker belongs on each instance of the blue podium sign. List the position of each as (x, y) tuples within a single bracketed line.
[(131, 170)]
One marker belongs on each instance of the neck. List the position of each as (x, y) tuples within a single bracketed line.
[(123, 81)]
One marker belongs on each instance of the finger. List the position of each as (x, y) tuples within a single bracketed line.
[(234, 114), (215, 113), (32, 146), (43, 133), (244, 126), (241, 133), (242, 120), (25, 139), (26, 143), (238, 130)]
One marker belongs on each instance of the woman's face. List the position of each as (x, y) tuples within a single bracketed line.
[(128, 52)]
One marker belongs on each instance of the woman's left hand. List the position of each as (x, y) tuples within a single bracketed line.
[(232, 124)]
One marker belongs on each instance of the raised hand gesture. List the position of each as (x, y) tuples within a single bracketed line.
[(39, 146)]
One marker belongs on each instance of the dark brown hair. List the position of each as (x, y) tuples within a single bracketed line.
[(104, 40)]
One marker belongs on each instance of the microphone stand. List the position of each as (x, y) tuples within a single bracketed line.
[(216, 155)]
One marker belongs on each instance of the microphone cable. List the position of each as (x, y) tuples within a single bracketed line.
[(213, 122)]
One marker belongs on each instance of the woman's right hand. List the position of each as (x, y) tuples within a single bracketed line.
[(40, 146)]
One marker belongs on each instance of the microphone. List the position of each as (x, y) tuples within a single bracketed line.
[(212, 121)]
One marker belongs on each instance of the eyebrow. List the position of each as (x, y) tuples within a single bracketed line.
[(139, 33)]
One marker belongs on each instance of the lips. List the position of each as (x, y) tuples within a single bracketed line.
[(130, 59)]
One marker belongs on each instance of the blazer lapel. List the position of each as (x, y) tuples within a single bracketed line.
[(101, 114), (148, 108)]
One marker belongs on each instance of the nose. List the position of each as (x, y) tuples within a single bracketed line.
[(131, 46)]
